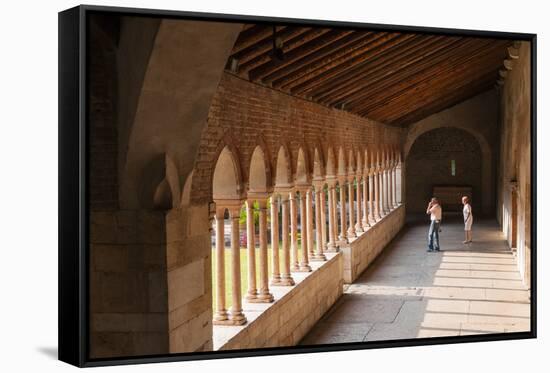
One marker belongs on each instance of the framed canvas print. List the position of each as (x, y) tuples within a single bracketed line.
[(238, 185)]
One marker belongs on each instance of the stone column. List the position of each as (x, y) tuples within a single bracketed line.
[(351, 228), (276, 276), (398, 185), (286, 277), (385, 191), (371, 198), (304, 262), (395, 203), (294, 231), (310, 218), (343, 229), (323, 218), (236, 314), (377, 196), (390, 188), (366, 202), (331, 218), (252, 292), (220, 313), (359, 214), (318, 255), (263, 295), (334, 212)]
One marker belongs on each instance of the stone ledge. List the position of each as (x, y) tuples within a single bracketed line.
[(296, 309), (361, 251)]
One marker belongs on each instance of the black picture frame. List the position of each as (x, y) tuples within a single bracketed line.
[(74, 192)]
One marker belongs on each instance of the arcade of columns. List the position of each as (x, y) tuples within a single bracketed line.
[(372, 193)]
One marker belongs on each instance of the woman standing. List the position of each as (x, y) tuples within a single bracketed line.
[(468, 219)]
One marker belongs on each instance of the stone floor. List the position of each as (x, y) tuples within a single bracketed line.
[(409, 293)]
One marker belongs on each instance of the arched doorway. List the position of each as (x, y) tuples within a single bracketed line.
[(444, 157)]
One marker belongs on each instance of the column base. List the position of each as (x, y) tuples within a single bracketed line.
[(351, 234), (358, 228), (304, 268), (331, 248), (220, 316), (318, 258), (284, 281), (342, 243), (234, 320), (295, 267), (275, 280), (249, 297), (263, 298)]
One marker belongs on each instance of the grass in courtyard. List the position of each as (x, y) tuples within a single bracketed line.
[(244, 272)]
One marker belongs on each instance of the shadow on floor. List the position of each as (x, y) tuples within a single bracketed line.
[(410, 293)]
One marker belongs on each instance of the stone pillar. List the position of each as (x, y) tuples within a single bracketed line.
[(252, 292), (263, 295), (366, 204), (236, 314), (390, 182), (377, 196), (304, 262), (371, 198), (385, 191), (343, 229), (359, 214), (334, 212), (351, 228), (286, 277), (276, 276), (331, 218), (398, 183), (318, 255), (310, 219), (323, 218), (395, 186), (220, 313), (294, 231)]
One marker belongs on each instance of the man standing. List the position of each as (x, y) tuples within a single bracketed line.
[(435, 211)]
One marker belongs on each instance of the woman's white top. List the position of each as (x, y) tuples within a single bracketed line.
[(467, 211)]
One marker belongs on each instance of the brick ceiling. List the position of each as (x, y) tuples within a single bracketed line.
[(394, 78)]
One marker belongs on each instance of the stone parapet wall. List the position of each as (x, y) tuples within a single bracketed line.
[(362, 251), (294, 312)]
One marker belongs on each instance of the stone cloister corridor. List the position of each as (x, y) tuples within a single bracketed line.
[(241, 201), (409, 293)]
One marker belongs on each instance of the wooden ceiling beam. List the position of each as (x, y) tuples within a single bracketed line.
[(253, 56), (388, 71), (431, 76), (312, 45), (440, 104), (307, 71), (416, 97), (306, 88), (318, 57), (253, 35)]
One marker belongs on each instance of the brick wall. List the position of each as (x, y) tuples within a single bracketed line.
[(429, 164), (247, 114)]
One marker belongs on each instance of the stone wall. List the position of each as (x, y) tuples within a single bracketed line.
[(429, 164), (367, 246), (514, 167), (295, 311), (479, 117)]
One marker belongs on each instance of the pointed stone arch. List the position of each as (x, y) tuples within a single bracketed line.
[(259, 172), (318, 164), (342, 164), (283, 168), (226, 179), (302, 175), (331, 169)]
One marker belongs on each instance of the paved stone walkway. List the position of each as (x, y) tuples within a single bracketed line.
[(409, 293)]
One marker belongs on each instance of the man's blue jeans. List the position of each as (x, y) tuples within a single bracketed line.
[(433, 235)]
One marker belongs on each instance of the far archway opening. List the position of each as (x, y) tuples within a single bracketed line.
[(446, 163)]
